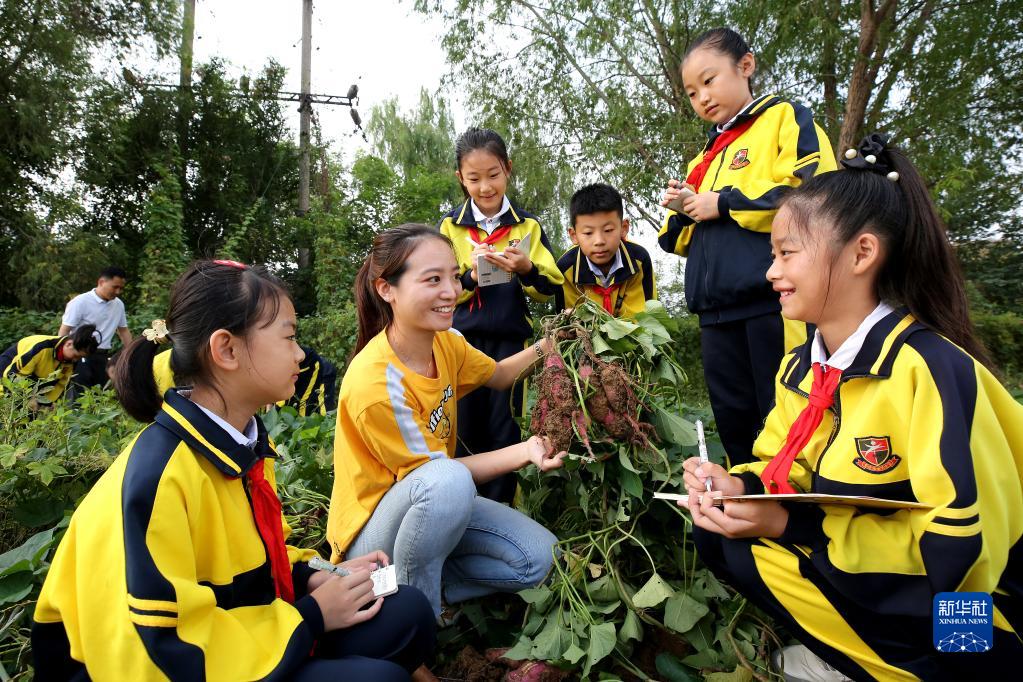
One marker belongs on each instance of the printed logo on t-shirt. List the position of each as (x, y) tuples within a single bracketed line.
[(440, 423), (874, 454), (740, 160)]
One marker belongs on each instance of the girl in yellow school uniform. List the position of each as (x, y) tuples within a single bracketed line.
[(495, 319), (891, 398), (175, 565)]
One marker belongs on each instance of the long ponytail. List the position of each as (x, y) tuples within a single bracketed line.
[(134, 381), (387, 260), (888, 196)]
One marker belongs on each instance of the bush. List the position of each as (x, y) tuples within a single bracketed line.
[(1003, 336), (332, 334)]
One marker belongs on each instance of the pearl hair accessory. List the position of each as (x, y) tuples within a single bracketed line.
[(870, 158), (893, 176), (850, 153)]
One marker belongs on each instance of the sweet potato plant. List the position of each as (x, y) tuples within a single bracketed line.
[(628, 593)]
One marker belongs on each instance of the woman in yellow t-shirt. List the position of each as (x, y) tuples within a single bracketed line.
[(396, 484)]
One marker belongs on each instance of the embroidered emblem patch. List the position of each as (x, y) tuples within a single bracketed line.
[(739, 160), (874, 454)]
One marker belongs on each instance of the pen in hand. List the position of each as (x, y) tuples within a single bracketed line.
[(701, 442)]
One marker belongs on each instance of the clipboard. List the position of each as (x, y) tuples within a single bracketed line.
[(813, 498)]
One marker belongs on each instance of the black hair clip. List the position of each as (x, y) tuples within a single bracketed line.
[(871, 156)]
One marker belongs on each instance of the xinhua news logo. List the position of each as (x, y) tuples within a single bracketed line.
[(962, 622)]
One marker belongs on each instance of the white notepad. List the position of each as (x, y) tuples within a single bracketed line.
[(489, 274), (814, 498)]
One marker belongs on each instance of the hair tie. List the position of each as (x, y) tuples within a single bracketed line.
[(871, 155), (232, 264), (96, 335), (157, 333)]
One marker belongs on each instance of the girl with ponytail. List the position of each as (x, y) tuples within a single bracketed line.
[(396, 484), (890, 398), (175, 565)]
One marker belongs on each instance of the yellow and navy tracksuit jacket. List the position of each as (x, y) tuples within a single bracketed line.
[(635, 280), (162, 572), (314, 390), (162, 372), (36, 356), (502, 310), (390, 420), (915, 419), (728, 257)]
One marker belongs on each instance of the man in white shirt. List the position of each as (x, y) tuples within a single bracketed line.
[(100, 307)]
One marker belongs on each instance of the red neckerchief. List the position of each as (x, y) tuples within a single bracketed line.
[(695, 177), (607, 293), (496, 236), (266, 509), (822, 396)]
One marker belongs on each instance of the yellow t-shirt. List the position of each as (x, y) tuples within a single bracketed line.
[(390, 420)]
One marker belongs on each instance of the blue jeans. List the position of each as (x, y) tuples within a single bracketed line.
[(442, 537)]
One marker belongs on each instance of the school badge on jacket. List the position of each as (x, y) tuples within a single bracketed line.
[(740, 160), (875, 454)]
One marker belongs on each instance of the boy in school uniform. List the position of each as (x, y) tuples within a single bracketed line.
[(602, 266)]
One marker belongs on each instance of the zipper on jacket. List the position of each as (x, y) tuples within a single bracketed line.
[(706, 264), (836, 424)]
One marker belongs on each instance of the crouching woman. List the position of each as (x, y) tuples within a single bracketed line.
[(396, 484)]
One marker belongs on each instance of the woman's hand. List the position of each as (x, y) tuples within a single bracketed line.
[(702, 206), (697, 473), (541, 453), (747, 519), (340, 600)]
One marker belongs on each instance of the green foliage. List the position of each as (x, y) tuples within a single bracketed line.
[(16, 324), (332, 333), (51, 457), (165, 254), (47, 69), (627, 571)]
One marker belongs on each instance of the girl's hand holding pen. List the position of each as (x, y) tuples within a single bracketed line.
[(697, 473)]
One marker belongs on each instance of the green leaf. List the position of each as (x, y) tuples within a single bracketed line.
[(625, 460), (740, 674), (602, 589), (14, 588), (632, 484), (632, 628), (674, 428), (652, 593), (618, 328), (682, 612), (27, 555), (534, 595), (602, 643), (599, 344), (521, 651), (707, 658), (672, 669), (572, 654)]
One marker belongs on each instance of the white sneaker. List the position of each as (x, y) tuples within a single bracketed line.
[(799, 664)]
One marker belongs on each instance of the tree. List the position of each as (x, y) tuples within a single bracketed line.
[(165, 255), (45, 72), (601, 80)]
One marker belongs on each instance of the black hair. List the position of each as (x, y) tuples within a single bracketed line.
[(387, 259), (84, 339), (113, 271), (208, 296), (595, 198), (920, 270), (723, 41), (480, 138)]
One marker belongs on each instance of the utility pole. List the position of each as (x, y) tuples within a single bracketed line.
[(185, 89), (305, 109)]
